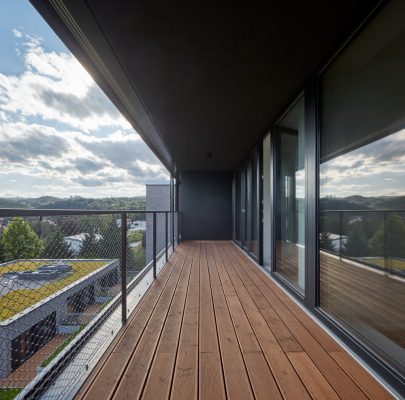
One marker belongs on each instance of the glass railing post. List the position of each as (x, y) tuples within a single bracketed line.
[(124, 266), (154, 245), (340, 233), (386, 255), (167, 235), (172, 216), (178, 230)]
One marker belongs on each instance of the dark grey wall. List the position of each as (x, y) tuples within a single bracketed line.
[(205, 205)]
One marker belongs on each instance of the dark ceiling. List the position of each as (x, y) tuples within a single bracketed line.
[(213, 76)]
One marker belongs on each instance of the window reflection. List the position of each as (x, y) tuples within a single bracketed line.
[(362, 188), (290, 192)]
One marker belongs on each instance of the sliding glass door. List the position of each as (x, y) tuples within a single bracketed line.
[(237, 204), (247, 204), (362, 188), (267, 204), (290, 197)]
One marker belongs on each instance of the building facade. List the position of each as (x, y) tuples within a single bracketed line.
[(23, 334), (157, 199)]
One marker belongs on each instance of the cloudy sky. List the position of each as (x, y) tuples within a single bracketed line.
[(59, 134), (376, 169)]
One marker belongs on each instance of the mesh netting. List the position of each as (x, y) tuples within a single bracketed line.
[(59, 277)]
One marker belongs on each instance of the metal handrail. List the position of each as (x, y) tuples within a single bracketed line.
[(387, 242), (30, 212), (365, 211)]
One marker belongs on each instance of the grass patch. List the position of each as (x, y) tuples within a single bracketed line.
[(61, 347), (9, 393), (393, 263), (18, 300)]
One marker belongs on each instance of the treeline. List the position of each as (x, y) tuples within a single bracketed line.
[(34, 238), (366, 235), (76, 202), (363, 203)]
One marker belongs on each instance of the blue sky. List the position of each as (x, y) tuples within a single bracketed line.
[(59, 134)]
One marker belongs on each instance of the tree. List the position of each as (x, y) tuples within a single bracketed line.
[(55, 246), (51, 234), (138, 259), (20, 241), (393, 236), (2, 255), (135, 236), (90, 246), (357, 243), (326, 242), (110, 244)]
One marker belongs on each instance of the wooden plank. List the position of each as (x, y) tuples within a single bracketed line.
[(283, 335), (317, 385), (104, 382), (316, 331), (132, 382), (336, 376), (285, 375), (246, 336), (366, 381), (211, 380), (185, 380), (263, 383), (160, 375), (208, 329), (236, 378)]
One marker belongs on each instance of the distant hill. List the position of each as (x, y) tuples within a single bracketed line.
[(10, 203), (75, 203), (363, 203)]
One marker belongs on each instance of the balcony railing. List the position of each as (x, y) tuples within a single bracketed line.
[(69, 279), (374, 238)]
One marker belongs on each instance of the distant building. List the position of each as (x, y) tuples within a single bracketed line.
[(76, 241), (137, 226), (335, 241), (134, 225), (157, 198)]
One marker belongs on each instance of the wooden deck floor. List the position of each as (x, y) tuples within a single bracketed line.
[(214, 326)]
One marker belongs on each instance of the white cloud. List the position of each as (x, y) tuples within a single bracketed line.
[(115, 161), (376, 169), (61, 135), (55, 87), (17, 33)]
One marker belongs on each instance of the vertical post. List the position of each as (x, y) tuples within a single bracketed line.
[(172, 207), (176, 207), (154, 245), (40, 226), (124, 267), (178, 230), (386, 254), (167, 235), (340, 233)]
